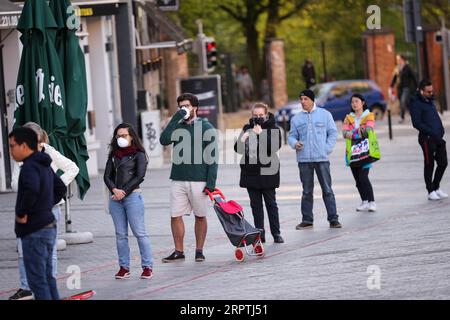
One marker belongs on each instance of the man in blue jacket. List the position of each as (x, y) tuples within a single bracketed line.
[(425, 118), (313, 135), (39, 189)]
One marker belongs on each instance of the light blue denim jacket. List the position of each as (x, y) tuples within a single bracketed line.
[(317, 131)]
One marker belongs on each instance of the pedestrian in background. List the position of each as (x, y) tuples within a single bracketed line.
[(425, 118), (259, 142), (357, 124), (406, 84), (309, 73), (39, 189), (246, 89), (194, 170), (70, 171), (313, 136), (125, 170)]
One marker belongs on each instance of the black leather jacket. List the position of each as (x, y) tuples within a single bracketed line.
[(126, 173)]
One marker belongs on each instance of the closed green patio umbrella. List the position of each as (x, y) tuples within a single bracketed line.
[(74, 73), (40, 94)]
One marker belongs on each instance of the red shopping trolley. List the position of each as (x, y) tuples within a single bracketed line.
[(242, 234)]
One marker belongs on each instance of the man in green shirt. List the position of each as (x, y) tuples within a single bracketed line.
[(194, 169)]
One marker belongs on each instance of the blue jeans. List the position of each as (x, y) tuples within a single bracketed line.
[(37, 257), (22, 273), (307, 178), (131, 210)]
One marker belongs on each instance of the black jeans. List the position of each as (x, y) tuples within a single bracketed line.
[(363, 184), (256, 202), (433, 152)]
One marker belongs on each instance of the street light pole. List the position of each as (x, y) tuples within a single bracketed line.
[(199, 50)]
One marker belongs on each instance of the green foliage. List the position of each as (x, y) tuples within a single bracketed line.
[(339, 24)]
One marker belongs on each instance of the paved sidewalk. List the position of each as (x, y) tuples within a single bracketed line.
[(405, 243)]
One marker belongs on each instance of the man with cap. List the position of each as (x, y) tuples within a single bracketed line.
[(313, 136)]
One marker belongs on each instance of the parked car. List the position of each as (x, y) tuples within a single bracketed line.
[(335, 97)]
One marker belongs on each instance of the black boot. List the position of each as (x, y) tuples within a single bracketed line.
[(263, 236)]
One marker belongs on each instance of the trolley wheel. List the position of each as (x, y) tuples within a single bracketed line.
[(259, 249), (239, 255)]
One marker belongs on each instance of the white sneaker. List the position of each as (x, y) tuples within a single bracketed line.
[(364, 206), (372, 206), (433, 196), (441, 194)]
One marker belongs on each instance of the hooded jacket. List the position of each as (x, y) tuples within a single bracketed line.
[(260, 165), (425, 118), (39, 189)]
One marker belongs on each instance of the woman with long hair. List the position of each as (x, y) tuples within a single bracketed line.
[(357, 124), (124, 172)]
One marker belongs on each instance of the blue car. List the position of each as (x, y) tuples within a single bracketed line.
[(335, 97)]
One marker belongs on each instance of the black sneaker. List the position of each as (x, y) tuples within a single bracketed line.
[(22, 295), (278, 239), (175, 256), (335, 225), (304, 225), (199, 257)]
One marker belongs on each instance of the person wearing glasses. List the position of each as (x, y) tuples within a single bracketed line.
[(38, 190), (125, 170), (70, 171), (425, 118), (194, 169)]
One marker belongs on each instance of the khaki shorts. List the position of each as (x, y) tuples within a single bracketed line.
[(187, 197)]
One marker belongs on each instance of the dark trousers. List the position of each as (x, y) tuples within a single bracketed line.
[(433, 152), (37, 256), (404, 102), (256, 202), (363, 184)]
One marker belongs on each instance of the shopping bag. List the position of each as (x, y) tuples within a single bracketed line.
[(363, 151)]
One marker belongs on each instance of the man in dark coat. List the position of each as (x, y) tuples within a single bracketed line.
[(425, 118), (406, 84), (309, 73), (260, 167)]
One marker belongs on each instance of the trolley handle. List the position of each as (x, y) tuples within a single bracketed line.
[(216, 192)]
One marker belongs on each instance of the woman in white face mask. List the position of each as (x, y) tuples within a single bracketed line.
[(124, 172)]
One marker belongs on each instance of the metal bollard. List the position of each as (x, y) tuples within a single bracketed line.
[(390, 124), (285, 121), (68, 219)]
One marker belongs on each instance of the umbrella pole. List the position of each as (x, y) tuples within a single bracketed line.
[(67, 204), (71, 236)]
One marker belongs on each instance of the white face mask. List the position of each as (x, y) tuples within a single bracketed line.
[(122, 142)]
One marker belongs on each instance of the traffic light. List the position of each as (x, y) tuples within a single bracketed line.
[(211, 54)]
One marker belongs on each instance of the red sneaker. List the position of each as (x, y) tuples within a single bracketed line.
[(147, 273), (123, 273)]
